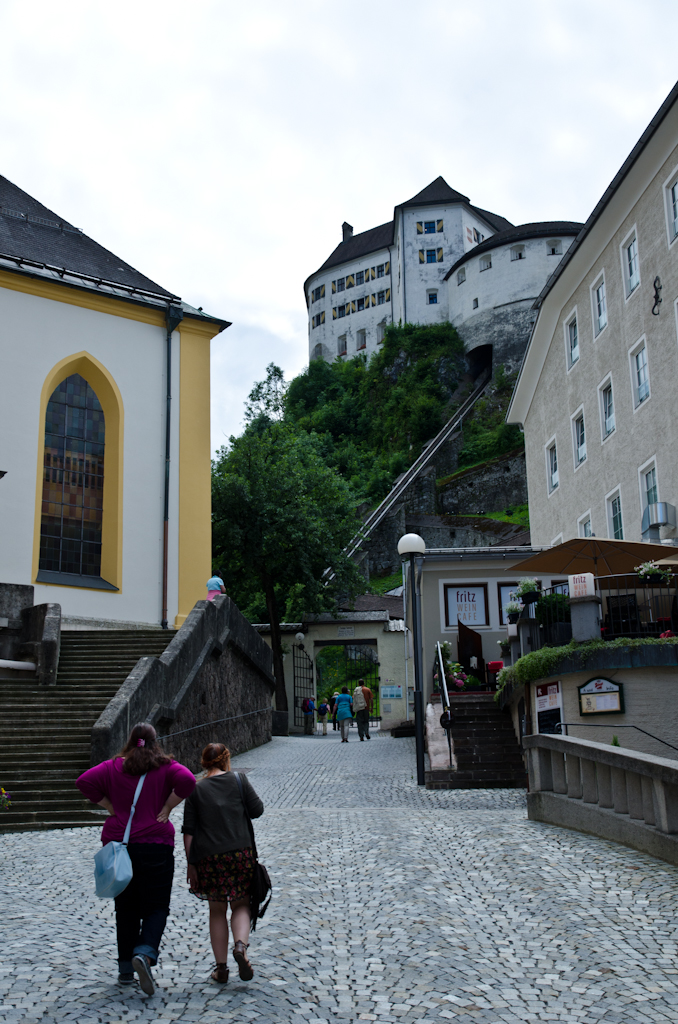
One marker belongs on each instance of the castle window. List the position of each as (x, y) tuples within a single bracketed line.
[(318, 351), (361, 340), (554, 247), (318, 293), (341, 311), (73, 480), (381, 331), (429, 227), (517, 252), (461, 276), (485, 262), (341, 284), (381, 298), (360, 277), (432, 298), (341, 345), (475, 303), (430, 256), (361, 305), (477, 237), (599, 301), (380, 270)]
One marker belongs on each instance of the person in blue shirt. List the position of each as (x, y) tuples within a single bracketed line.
[(344, 704), (215, 585)]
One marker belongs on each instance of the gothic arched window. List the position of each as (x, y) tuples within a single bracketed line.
[(73, 480)]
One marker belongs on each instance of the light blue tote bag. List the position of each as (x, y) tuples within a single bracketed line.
[(112, 864)]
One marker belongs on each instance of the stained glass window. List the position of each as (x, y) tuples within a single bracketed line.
[(73, 480)]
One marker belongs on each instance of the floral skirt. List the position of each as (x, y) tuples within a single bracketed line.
[(224, 877)]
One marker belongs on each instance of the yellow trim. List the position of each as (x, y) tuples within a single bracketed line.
[(108, 393), (79, 297), (195, 483)]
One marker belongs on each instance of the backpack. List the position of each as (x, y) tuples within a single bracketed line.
[(359, 702), (305, 705), (323, 709)]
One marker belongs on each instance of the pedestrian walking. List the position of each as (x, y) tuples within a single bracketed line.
[(141, 909), (333, 709), (323, 709), (308, 708), (363, 700), (215, 585), (220, 857), (344, 712)]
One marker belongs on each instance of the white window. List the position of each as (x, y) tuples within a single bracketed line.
[(599, 303), (671, 202), (551, 465), (318, 351), (584, 528), (475, 303), (640, 374), (432, 297), (517, 252), (361, 340), (572, 340), (615, 524), (341, 345), (485, 262), (554, 247), (381, 331), (647, 478), (606, 399), (673, 195), (579, 438), (630, 264), (461, 276)]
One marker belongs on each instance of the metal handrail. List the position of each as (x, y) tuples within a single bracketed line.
[(606, 725)]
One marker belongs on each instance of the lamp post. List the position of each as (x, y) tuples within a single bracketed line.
[(412, 544)]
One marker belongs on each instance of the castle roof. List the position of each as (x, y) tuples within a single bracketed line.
[(519, 233), (436, 193), (360, 245)]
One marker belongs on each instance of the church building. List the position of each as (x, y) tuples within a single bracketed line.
[(104, 427)]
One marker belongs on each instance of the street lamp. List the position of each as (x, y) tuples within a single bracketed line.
[(412, 544)]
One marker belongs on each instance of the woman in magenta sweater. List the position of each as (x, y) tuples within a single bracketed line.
[(141, 909)]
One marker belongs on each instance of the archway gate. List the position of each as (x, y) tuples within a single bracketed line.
[(342, 663)]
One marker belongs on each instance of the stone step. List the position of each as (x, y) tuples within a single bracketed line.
[(38, 825), (20, 820)]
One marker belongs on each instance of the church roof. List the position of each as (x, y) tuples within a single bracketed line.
[(521, 232), (33, 232)]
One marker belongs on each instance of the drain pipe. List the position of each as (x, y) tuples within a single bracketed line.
[(174, 315)]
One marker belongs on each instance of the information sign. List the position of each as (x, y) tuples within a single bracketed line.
[(391, 692), (601, 697), (549, 707), (582, 584), (345, 632)]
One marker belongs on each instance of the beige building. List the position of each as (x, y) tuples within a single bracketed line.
[(596, 392)]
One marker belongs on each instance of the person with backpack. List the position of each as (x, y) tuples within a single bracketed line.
[(362, 705), (344, 707), (323, 710), (308, 708)]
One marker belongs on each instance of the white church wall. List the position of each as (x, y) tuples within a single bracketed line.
[(43, 332)]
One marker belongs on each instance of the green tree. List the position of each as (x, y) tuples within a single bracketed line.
[(281, 519)]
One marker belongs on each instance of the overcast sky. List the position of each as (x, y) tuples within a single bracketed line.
[(218, 146)]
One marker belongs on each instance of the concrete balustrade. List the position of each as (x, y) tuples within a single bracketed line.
[(608, 791)]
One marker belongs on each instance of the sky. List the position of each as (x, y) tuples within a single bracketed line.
[(218, 146)]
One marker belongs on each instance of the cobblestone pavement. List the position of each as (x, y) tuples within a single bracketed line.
[(391, 904)]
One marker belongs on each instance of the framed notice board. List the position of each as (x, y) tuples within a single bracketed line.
[(601, 697)]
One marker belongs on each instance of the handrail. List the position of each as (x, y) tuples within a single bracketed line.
[(607, 725), (395, 493)]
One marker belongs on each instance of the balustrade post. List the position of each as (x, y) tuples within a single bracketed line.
[(604, 780), (666, 805), (619, 797), (634, 795), (647, 790), (542, 770), (573, 777), (589, 781), (558, 776)]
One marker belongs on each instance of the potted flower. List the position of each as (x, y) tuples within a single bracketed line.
[(5, 799), (653, 572), (504, 647), (527, 590), (513, 610)]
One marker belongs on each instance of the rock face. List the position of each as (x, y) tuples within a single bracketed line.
[(496, 485)]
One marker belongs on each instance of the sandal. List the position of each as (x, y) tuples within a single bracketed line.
[(240, 956), (220, 973)]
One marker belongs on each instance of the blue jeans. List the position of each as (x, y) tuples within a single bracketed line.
[(141, 910)]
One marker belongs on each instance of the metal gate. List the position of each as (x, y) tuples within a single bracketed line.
[(303, 681), (339, 665)]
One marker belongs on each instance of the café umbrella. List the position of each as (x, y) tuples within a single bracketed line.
[(598, 555)]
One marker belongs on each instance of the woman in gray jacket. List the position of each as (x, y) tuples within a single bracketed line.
[(220, 857)]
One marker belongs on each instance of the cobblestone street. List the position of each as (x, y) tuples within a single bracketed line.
[(390, 904)]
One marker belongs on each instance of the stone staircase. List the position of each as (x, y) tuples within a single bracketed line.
[(485, 744), (45, 730)]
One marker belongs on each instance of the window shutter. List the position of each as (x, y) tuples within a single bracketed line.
[(387, 268), (374, 300), (322, 292), (422, 257), (440, 255), (334, 287), (373, 273), (350, 281), (322, 315), (388, 294), (439, 225), (334, 313), (352, 305), (420, 227)]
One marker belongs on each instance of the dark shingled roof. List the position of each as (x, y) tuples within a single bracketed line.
[(537, 229), (437, 192), (360, 245), (493, 219), (31, 231)]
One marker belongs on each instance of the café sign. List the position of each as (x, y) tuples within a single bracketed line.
[(601, 697), (467, 603)]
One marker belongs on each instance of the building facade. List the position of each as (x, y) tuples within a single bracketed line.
[(595, 394), (104, 427), (393, 272)]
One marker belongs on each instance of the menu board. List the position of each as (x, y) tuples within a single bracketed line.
[(601, 697), (549, 699)]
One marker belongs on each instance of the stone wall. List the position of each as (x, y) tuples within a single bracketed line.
[(492, 487)]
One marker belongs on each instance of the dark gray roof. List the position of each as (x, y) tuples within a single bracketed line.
[(437, 192), (360, 245), (493, 219), (537, 229), (33, 232), (375, 603)]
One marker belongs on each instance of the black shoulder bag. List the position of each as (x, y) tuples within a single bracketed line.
[(261, 890)]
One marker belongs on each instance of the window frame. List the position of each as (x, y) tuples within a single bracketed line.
[(552, 443), (517, 253), (430, 253), (609, 498), (572, 317), (344, 338), (380, 270), (475, 303), (485, 262), (631, 237), (359, 278), (360, 335), (602, 388), (581, 521), (554, 243), (599, 280), (633, 352), (648, 465), (432, 225), (461, 279), (575, 419), (432, 293), (341, 284), (670, 183)]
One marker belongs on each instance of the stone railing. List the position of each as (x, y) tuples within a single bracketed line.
[(611, 792)]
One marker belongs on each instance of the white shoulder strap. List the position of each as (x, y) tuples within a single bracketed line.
[(125, 838)]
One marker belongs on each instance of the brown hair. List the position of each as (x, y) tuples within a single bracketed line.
[(144, 758), (216, 755)]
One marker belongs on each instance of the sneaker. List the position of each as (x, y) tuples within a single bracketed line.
[(142, 966), (244, 966), (126, 978), (220, 973)]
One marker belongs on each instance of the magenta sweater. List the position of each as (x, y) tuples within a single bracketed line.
[(108, 780)]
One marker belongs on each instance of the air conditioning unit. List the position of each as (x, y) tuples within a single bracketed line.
[(660, 513)]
